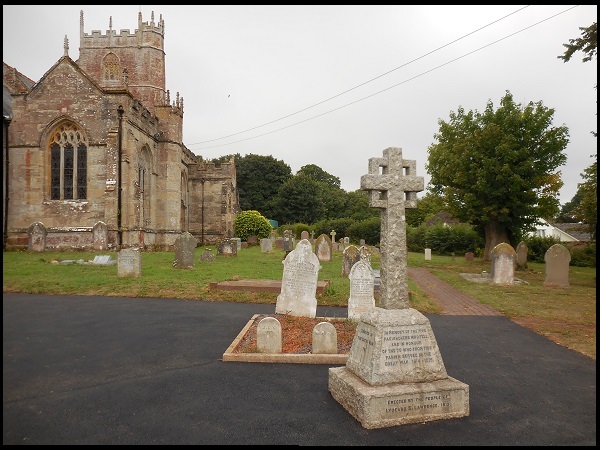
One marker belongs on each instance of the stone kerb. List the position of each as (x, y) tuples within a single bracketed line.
[(323, 248), (324, 338), (299, 284), (362, 289), (502, 271), (557, 259)]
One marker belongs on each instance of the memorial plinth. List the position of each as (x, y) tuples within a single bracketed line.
[(395, 374)]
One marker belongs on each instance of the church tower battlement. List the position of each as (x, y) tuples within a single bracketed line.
[(105, 56)]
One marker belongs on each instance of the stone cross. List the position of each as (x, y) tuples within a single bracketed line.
[(393, 189), (332, 234)]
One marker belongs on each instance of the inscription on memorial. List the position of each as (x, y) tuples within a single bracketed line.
[(406, 346)]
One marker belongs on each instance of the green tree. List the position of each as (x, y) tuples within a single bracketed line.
[(357, 206), (258, 180), (331, 195), (427, 206), (496, 169), (316, 173), (299, 200), (587, 208)]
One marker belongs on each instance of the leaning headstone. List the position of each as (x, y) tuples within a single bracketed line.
[(268, 335), (362, 289), (469, 256), (266, 245), (522, 255), (299, 284), (100, 236), (129, 263), (323, 248), (228, 247), (427, 254), (36, 237), (385, 383), (502, 271), (350, 257), (557, 260), (324, 338), (185, 249)]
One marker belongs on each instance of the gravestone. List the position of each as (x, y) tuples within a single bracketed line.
[(36, 234), (185, 249), (268, 335), (427, 254), (394, 374), (207, 255), (100, 236), (361, 242), (502, 271), (279, 243), (238, 242), (273, 237), (299, 284), (129, 263), (365, 252), (304, 235), (266, 245), (469, 256), (362, 289), (228, 247), (557, 260), (346, 240), (323, 248), (252, 240), (288, 241), (324, 338), (350, 257), (341, 245), (101, 260), (522, 255), (333, 246)]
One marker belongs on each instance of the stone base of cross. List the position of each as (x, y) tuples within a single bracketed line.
[(393, 185)]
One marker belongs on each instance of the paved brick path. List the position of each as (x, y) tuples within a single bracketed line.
[(452, 301)]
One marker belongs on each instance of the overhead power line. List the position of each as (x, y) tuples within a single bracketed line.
[(373, 79)]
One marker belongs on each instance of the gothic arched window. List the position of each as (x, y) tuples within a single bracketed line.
[(68, 163)]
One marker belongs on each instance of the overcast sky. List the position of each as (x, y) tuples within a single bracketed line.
[(336, 85)]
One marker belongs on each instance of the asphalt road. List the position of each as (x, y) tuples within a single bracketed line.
[(110, 370)]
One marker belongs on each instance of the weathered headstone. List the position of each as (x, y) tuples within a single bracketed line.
[(522, 255), (332, 234), (228, 247), (100, 236), (469, 256), (129, 263), (101, 260), (361, 242), (266, 246), (323, 248), (557, 260), (279, 243), (346, 240), (252, 240), (385, 383), (350, 257), (238, 242), (268, 335), (362, 289), (427, 254), (324, 338), (502, 271), (288, 241), (365, 252), (36, 237), (304, 235), (273, 237), (207, 255), (299, 284), (185, 249), (341, 245)]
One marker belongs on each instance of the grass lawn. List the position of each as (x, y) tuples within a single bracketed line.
[(567, 316)]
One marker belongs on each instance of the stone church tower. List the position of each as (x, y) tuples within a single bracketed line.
[(94, 155)]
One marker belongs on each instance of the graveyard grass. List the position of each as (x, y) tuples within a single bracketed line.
[(566, 316)]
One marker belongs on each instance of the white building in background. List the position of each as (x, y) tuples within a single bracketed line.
[(566, 232)]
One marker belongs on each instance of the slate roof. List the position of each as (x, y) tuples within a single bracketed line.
[(577, 230)]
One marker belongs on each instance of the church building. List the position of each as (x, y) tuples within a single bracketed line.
[(93, 153)]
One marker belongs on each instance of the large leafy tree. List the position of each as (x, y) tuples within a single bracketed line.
[(299, 201), (427, 206), (497, 169), (259, 178), (329, 192), (588, 209)]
